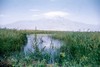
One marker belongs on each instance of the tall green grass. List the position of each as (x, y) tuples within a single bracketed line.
[(11, 40), (79, 49)]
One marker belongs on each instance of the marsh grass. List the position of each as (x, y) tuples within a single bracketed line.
[(80, 49), (11, 40)]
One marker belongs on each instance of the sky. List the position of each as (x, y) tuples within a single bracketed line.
[(83, 11)]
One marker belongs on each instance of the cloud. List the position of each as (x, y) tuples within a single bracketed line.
[(53, 14), (50, 15)]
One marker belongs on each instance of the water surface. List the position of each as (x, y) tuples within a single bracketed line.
[(45, 44)]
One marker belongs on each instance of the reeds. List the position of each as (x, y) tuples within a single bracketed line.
[(80, 49)]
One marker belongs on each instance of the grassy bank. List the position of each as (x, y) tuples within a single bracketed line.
[(81, 47), (11, 40)]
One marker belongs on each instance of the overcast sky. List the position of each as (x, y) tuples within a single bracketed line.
[(85, 11)]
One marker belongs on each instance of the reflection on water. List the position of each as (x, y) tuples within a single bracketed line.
[(45, 42)]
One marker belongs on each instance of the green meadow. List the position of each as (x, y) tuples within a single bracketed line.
[(79, 49)]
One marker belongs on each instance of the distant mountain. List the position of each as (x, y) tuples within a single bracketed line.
[(52, 24)]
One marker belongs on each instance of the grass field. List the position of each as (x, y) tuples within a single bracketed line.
[(80, 49)]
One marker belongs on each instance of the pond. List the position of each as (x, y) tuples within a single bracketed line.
[(44, 43)]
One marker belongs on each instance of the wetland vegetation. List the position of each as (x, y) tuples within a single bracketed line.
[(79, 49)]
